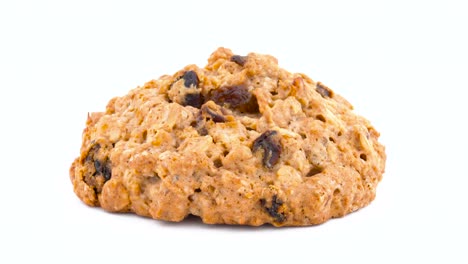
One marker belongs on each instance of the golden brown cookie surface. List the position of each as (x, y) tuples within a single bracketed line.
[(240, 141)]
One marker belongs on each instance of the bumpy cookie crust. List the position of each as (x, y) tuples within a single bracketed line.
[(240, 141)]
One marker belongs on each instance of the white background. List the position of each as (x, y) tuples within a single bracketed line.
[(403, 65)]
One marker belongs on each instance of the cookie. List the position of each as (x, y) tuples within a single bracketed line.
[(240, 141)]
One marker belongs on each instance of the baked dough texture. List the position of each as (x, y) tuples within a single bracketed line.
[(240, 141)]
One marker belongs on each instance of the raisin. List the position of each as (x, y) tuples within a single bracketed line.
[(199, 125), (216, 116), (190, 78), (323, 90), (194, 99), (214, 113), (98, 166), (276, 203), (269, 142), (236, 97), (240, 60), (314, 171), (103, 169), (92, 151), (202, 131)]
